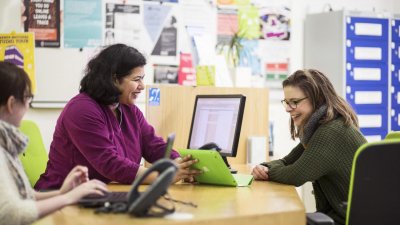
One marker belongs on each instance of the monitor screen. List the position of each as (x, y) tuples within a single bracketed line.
[(217, 119)]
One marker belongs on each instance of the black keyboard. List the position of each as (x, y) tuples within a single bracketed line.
[(109, 196), (117, 196)]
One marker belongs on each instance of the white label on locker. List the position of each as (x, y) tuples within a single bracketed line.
[(398, 75), (367, 73), (398, 52), (398, 119), (367, 53), (398, 97), (368, 29), (368, 97), (373, 138), (398, 32), (368, 121)]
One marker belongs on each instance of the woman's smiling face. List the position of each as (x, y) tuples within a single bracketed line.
[(297, 104), (131, 86)]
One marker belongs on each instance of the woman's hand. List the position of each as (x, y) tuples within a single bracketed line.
[(77, 176), (260, 172), (184, 171), (94, 187)]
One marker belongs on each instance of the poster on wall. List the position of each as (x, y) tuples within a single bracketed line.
[(186, 72), (166, 44), (165, 74), (123, 23), (249, 56), (225, 2), (162, 1), (19, 49), (227, 25), (161, 24), (200, 14), (249, 23), (275, 62), (275, 23), (82, 23), (161, 29), (42, 17)]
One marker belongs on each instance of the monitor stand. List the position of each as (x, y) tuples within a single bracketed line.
[(213, 146), (227, 164)]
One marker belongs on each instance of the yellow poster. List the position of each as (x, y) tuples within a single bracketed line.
[(205, 75), (19, 48)]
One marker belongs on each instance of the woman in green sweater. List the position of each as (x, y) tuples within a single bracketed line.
[(329, 137)]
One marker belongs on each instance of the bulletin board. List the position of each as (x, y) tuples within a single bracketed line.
[(195, 27)]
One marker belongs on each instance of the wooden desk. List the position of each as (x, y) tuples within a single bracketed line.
[(266, 203)]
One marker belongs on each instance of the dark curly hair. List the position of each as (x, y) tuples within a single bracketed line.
[(113, 62), (13, 82)]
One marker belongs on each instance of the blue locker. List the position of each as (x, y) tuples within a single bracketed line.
[(371, 119), (395, 71), (366, 73), (366, 51), (363, 72), (395, 96), (367, 28), (370, 135), (395, 50), (395, 118), (395, 30), (362, 96)]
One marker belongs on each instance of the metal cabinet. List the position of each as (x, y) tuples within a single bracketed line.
[(395, 74), (355, 50)]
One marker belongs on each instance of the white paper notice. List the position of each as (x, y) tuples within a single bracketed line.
[(398, 119), (398, 97), (367, 73), (368, 97), (369, 29), (370, 121), (367, 53), (373, 138), (222, 73)]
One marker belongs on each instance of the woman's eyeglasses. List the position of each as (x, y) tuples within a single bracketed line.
[(28, 99), (292, 103)]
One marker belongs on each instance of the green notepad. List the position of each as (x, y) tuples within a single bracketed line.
[(243, 179), (215, 170)]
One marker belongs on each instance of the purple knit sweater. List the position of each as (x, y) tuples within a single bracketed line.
[(89, 134)]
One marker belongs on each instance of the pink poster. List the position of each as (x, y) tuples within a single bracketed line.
[(186, 72)]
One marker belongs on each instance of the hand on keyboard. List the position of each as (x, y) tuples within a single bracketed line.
[(96, 196)]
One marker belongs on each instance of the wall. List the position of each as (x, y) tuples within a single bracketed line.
[(46, 118)]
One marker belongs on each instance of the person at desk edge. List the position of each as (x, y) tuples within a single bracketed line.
[(19, 203), (103, 129), (329, 137)]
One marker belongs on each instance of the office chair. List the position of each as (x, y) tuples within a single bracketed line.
[(374, 196), (35, 157), (393, 135)]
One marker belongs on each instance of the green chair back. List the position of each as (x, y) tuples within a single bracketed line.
[(35, 157), (374, 186), (393, 135)]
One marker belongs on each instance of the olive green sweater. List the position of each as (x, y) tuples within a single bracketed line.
[(326, 161)]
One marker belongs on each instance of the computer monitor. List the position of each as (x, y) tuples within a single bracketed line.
[(217, 119)]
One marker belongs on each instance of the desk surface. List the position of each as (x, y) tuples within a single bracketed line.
[(261, 203)]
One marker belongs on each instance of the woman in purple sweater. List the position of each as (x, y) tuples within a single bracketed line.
[(101, 127)]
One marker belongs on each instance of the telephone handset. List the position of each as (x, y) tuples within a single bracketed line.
[(139, 203)]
